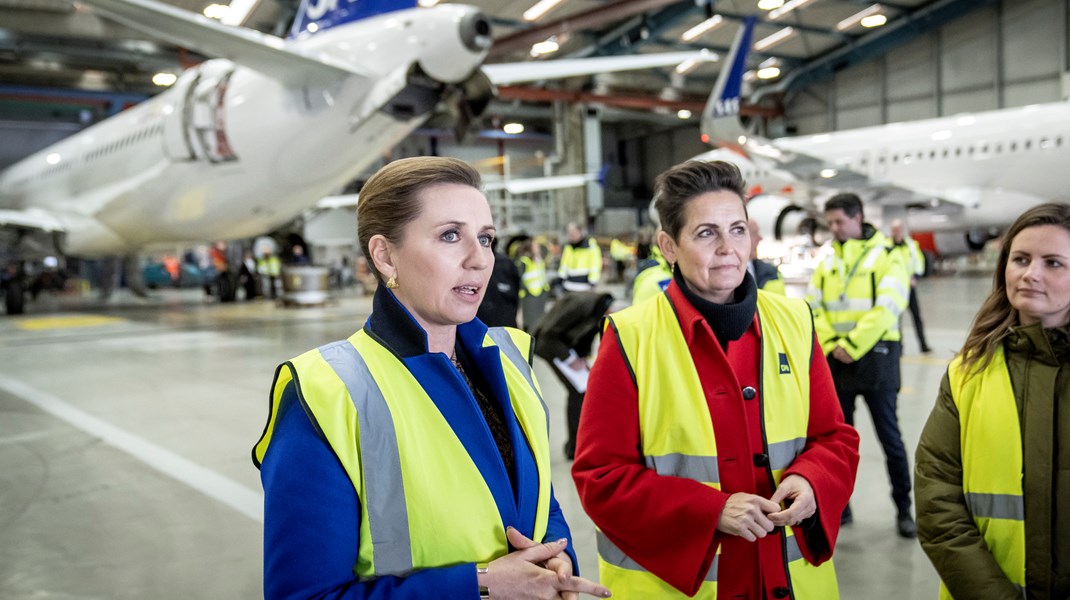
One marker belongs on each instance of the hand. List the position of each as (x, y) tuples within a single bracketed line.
[(536, 571), (803, 505), (744, 515), (579, 363), (841, 355)]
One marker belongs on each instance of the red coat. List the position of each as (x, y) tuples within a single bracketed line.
[(669, 524)]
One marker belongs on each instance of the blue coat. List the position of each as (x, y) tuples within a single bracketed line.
[(312, 513)]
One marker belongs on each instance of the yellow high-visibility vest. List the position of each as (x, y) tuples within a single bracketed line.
[(533, 281), (677, 436), (990, 438), (580, 268), (857, 294), (423, 501)]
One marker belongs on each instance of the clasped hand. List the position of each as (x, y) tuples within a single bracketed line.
[(751, 517), (536, 571)]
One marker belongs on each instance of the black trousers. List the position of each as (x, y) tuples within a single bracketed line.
[(919, 327), (875, 377)]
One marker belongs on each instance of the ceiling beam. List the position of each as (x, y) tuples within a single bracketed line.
[(695, 104)]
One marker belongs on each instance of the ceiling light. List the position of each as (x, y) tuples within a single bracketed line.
[(687, 66), (216, 11), (774, 39), (540, 9), (854, 19), (683, 113), (545, 47), (772, 61), (769, 73), (313, 28), (53, 158), (238, 11), (828, 173), (703, 27), (513, 128), (788, 7), (164, 79), (427, 3), (874, 21), (770, 4)]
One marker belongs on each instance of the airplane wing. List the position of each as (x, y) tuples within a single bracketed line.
[(30, 219), (508, 73), (265, 53), (541, 184)]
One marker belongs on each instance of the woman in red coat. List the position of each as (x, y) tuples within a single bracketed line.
[(712, 452)]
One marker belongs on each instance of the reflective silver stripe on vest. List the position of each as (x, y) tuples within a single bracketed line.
[(793, 551), (996, 506), (699, 468), (782, 454), (384, 491), (505, 342), (613, 555)]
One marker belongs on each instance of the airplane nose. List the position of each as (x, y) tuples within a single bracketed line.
[(475, 32)]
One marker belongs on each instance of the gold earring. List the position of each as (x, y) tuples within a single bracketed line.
[(392, 283)]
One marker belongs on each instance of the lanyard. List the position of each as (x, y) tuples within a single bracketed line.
[(847, 280)]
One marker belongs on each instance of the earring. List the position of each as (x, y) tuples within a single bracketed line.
[(392, 283)]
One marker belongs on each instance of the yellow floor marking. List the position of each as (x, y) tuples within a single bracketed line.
[(65, 322)]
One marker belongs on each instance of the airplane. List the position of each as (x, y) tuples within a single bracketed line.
[(955, 180), (241, 144)]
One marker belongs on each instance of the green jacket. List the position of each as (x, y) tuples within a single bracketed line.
[(1038, 361)]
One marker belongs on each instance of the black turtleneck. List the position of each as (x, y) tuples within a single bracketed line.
[(728, 321)]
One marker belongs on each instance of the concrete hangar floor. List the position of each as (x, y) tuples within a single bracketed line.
[(125, 432)]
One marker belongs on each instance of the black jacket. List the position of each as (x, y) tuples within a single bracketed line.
[(502, 299), (571, 324)]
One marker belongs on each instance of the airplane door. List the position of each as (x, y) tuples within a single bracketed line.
[(177, 144)]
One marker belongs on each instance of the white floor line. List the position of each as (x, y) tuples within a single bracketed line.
[(246, 501)]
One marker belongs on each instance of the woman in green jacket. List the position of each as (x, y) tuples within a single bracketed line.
[(993, 513)]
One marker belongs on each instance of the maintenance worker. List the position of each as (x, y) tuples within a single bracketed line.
[(915, 260), (581, 261), (857, 294)]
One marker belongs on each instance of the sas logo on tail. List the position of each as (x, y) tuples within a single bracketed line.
[(785, 368)]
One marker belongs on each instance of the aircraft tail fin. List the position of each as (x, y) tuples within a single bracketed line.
[(720, 118), (317, 15)]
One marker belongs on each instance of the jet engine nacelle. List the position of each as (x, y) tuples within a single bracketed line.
[(779, 218)]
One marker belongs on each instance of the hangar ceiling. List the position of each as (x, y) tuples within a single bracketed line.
[(62, 63)]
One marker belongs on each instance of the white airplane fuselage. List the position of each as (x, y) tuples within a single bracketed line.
[(993, 164), (229, 152)]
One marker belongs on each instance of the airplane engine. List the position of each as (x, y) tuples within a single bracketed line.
[(779, 218)]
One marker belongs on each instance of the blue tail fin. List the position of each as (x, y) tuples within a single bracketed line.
[(324, 14), (720, 118)]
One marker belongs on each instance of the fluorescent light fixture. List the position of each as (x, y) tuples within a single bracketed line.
[(164, 79), (513, 128), (769, 73), (703, 27), (874, 21), (540, 9), (216, 11), (683, 113), (774, 39), (687, 66), (53, 159), (772, 61), (770, 4), (828, 173), (427, 3), (545, 47), (856, 18), (788, 7)]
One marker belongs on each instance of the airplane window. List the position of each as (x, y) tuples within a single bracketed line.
[(1044, 143), (984, 149), (932, 154), (1028, 144), (945, 152), (895, 158), (1014, 146), (1059, 141), (970, 151), (958, 151)]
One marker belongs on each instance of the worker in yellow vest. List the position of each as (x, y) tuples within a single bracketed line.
[(534, 285), (622, 254), (269, 268), (412, 459), (580, 268), (857, 294), (993, 470), (915, 260), (712, 454), (652, 278)]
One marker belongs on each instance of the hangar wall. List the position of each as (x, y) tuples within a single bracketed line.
[(1009, 54)]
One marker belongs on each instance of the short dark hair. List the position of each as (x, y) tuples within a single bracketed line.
[(391, 197), (849, 203), (674, 188)]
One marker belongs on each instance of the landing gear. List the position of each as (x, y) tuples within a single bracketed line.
[(14, 297)]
